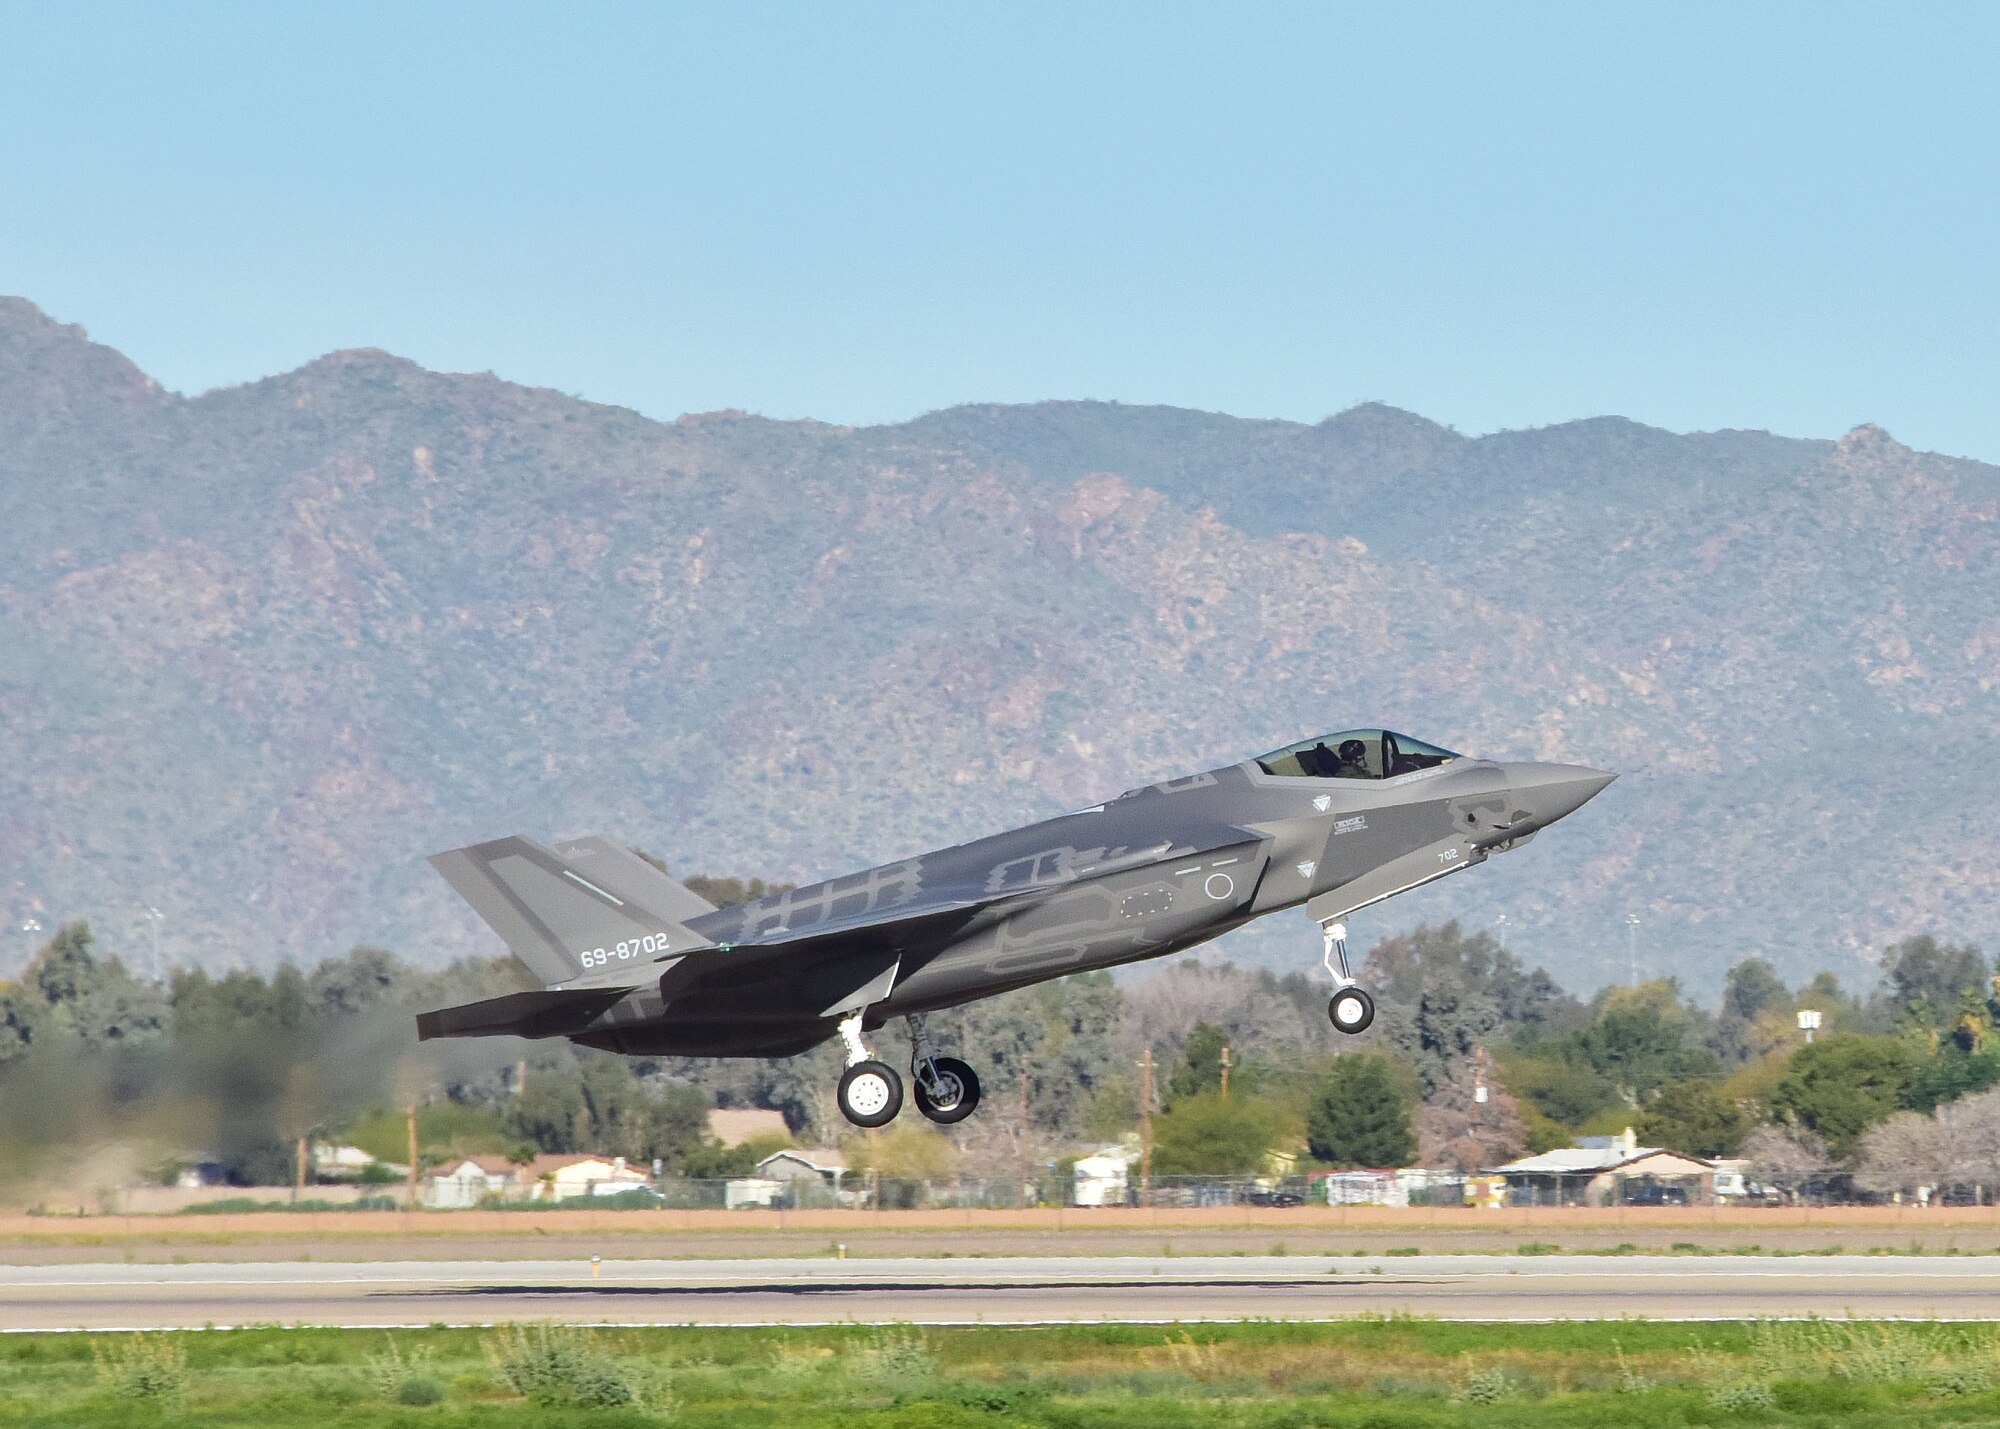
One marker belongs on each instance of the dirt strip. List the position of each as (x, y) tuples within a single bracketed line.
[(502, 1235)]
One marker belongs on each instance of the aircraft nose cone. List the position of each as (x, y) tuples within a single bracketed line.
[(1548, 792)]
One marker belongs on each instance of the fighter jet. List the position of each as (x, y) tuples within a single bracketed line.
[(635, 962)]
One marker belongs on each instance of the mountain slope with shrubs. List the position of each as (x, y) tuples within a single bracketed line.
[(270, 645)]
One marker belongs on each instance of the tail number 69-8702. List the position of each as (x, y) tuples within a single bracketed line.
[(630, 948)]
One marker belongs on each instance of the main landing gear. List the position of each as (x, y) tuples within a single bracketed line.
[(947, 1089), (1350, 1009), (871, 1093)]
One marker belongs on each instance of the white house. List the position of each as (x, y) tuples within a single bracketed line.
[(470, 1180), (809, 1175), (748, 1191), (1609, 1170), (330, 1162), (564, 1178), (1103, 1178)]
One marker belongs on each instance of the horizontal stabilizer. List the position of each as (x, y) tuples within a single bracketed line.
[(549, 1013), (597, 911)]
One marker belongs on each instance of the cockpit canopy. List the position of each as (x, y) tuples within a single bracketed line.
[(1354, 754)]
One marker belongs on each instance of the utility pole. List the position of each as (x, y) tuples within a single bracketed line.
[(299, 1171), (1021, 1141), (1225, 1071), (1146, 1128), (412, 1114), (1632, 950)]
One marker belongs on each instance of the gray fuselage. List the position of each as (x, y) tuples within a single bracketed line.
[(1150, 873)]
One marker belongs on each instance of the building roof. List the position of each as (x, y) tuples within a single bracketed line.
[(732, 1126), (1104, 1163), (486, 1165), (819, 1158), (550, 1165), (1589, 1160)]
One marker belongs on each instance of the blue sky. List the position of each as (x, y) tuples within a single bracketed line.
[(1698, 216)]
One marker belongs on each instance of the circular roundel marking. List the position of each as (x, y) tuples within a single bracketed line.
[(1219, 886)]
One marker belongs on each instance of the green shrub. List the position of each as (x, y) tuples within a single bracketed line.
[(1740, 1394), (1484, 1386), (419, 1390), (1862, 1353), (1951, 1381), (1729, 1385), (143, 1367), (899, 1361), (1630, 1381), (560, 1366), (403, 1378)]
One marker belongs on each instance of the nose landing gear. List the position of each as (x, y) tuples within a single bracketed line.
[(1350, 1009), (870, 1092)]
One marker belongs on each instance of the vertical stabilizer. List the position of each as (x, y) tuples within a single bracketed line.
[(573, 917)]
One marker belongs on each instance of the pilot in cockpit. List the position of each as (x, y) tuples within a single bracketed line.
[(1353, 760)]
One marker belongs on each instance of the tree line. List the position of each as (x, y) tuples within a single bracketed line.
[(1474, 1059)]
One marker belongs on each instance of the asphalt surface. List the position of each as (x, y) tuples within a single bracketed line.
[(1012, 1290)]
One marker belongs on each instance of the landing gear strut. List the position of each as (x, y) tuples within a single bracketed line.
[(1350, 1009), (870, 1091), (947, 1089)]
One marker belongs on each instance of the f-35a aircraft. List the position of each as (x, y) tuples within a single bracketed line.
[(636, 963)]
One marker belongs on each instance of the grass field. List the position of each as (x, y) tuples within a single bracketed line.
[(1374, 1373)]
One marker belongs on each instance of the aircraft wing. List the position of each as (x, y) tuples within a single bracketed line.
[(900, 901), (813, 953), (831, 961)]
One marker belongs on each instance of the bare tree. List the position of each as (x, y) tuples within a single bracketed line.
[(1970, 1141), (1786, 1157), (1163, 1006), (1904, 1153), (1455, 1131)]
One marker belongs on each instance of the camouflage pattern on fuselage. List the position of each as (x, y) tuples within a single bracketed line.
[(1153, 872)]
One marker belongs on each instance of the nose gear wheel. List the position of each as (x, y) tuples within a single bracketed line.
[(870, 1094), (1350, 1010)]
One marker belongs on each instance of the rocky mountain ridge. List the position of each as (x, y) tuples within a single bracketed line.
[(269, 645)]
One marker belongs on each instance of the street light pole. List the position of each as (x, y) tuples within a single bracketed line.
[(154, 916), (1632, 950)]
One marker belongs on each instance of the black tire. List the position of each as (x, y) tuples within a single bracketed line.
[(1350, 1010), (957, 1108), (870, 1094)]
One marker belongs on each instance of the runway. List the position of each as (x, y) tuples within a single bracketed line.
[(1011, 1290)]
